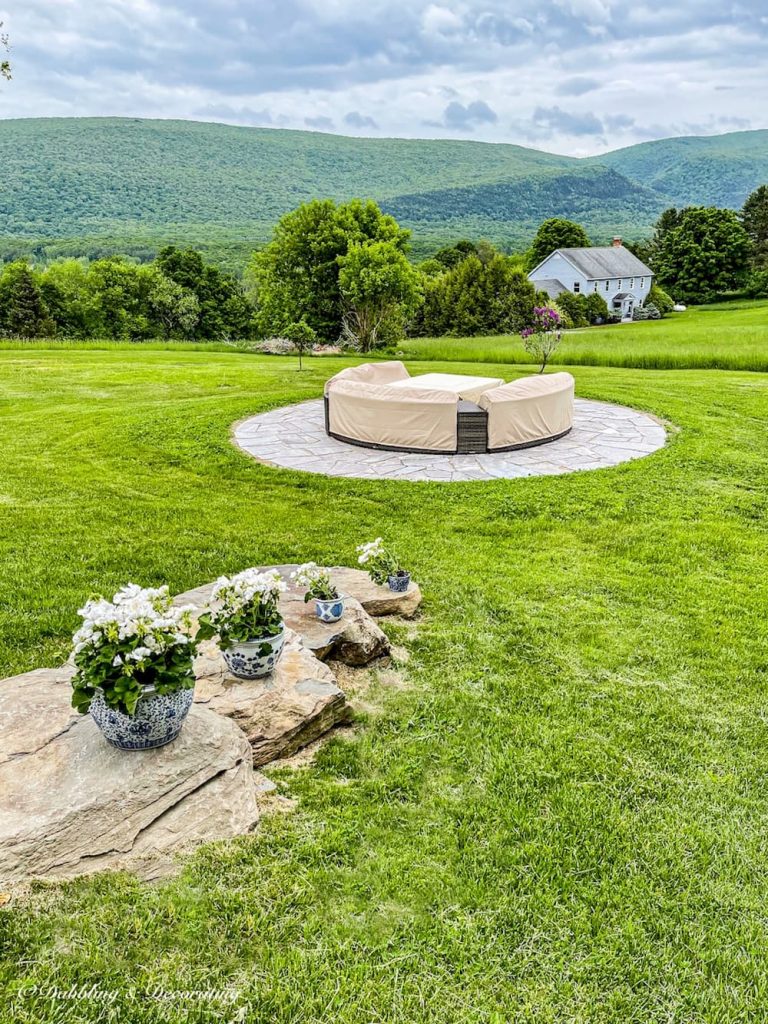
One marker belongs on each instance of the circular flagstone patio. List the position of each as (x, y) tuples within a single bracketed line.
[(603, 435)]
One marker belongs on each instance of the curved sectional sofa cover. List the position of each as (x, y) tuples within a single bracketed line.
[(364, 406)]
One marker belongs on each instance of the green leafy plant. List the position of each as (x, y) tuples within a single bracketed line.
[(137, 639), (244, 608), (380, 562), (317, 582)]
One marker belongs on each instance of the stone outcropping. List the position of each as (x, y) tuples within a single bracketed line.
[(355, 639), (70, 804), (280, 713)]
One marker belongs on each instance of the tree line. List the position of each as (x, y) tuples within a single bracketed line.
[(342, 272), (177, 295)]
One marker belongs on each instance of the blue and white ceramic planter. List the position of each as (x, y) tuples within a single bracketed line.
[(330, 611), (157, 720), (256, 658), (399, 582)]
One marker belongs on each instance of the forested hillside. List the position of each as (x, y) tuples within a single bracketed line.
[(93, 186), (716, 171)]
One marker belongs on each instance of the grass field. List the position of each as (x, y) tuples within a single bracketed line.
[(561, 818), (731, 336)]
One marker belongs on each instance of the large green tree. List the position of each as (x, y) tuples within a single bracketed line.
[(380, 290), (474, 297), (223, 310), (296, 276), (705, 254), (556, 233), (23, 313), (755, 220)]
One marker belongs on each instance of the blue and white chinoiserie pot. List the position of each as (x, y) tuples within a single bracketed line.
[(157, 720), (256, 658), (330, 611), (399, 581)]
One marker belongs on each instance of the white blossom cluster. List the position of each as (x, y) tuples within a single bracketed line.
[(309, 575), (141, 618), (237, 592), (370, 550)]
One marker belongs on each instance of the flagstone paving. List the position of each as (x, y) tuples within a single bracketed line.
[(603, 435)]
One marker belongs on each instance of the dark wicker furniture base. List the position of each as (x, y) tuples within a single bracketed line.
[(471, 435)]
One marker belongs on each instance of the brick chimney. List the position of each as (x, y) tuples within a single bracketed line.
[(617, 241)]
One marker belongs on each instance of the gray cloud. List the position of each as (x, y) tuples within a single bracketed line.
[(320, 124), (577, 86), (556, 120), (466, 118), (357, 120)]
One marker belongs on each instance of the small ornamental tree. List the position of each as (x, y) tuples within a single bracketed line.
[(542, 338), (302, 336), (381, 290)]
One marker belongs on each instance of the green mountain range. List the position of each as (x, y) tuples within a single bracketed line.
[(90, 186)]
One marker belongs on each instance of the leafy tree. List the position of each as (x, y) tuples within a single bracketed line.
[(755, 220), (223, 310), (705, 254), (5, 65), (23, 313), (302, 336), (121, 298), (70, 296), (556, 233), (757, 285), (176, 309), (380, 289), (297, 274), (450, 255), (477, 298)]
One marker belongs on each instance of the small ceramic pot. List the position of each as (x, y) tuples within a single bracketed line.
[(330, 611), (399, 582), (157, 720), (256, 658)]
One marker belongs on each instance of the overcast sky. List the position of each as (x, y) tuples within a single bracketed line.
[(569, 76)]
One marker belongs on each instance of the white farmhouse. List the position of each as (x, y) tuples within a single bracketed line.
[(612, 271)]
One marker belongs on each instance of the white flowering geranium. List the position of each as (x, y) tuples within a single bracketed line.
[(379, 561), (316, 581), (135, 640), (244, 608)]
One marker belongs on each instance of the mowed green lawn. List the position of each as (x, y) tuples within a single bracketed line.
[(562, 816), (731, 336)]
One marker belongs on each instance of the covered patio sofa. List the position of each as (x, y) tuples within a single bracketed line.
[(365, 406)]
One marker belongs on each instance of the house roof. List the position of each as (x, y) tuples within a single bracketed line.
[(551, 286), (600, 262)]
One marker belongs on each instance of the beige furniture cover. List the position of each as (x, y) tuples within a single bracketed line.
[(392, 416), (530, 409), (462, 385), (371, 373)]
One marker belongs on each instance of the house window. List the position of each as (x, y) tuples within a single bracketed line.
[(607, 286), (576, 287), (595, 288), (633, 283), (642, 282), (621, 282)]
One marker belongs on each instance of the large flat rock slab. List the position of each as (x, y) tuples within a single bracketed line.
[(280, 713), (355, 639), (376, 600), (70, 804)]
